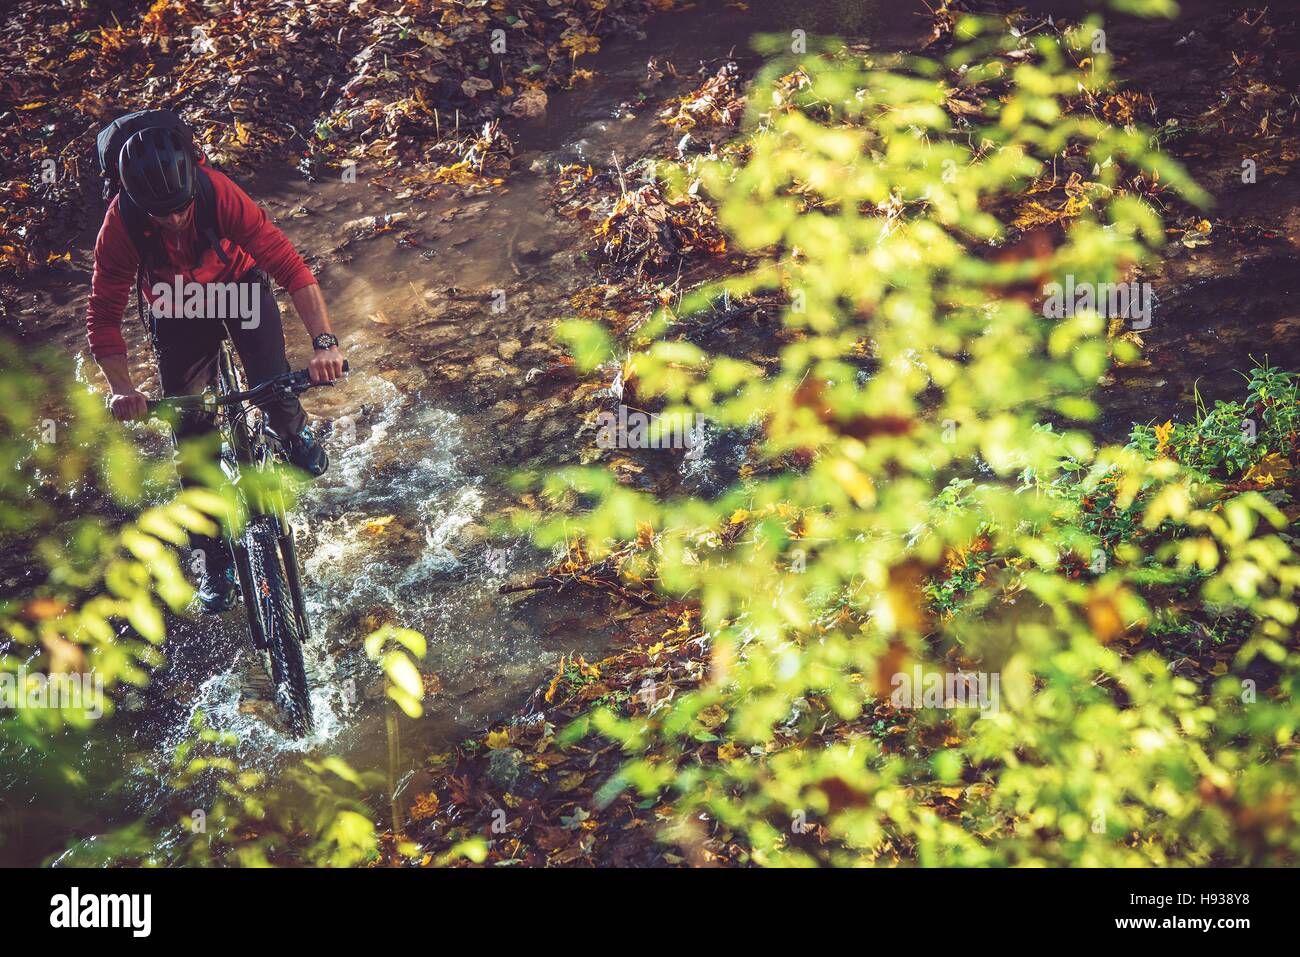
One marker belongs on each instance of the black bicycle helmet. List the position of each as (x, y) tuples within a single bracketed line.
[(157, 171)]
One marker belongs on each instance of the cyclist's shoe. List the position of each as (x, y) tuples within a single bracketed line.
[(216, 590), (306, 452)]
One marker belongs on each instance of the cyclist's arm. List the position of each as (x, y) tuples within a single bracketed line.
[(126, 401), (116, 261), (327, 365), (117, 372), (247, 224)]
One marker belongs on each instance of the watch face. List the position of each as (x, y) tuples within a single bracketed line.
[(325, 341)]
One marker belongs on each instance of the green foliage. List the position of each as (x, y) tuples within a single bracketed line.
[(99, 594), (1233, 436), (221, 814), (102, 587), (396, 650), (589, 342), (909, 506)]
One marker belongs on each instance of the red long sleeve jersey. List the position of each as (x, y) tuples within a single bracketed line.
[(248, 237)]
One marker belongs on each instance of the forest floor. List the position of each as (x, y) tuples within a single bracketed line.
[(537, 786), (534, 791)]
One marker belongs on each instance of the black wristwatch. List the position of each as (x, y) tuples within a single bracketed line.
[(326, 340)]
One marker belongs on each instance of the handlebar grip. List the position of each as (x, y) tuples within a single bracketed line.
[(306, 373)]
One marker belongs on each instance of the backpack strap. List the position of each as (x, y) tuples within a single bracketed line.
[(145, 313), (205, 213)]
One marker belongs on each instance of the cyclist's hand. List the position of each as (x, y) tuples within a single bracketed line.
[(128, 405), (326, 365)]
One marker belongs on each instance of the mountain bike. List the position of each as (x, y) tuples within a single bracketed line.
[(266, 563)]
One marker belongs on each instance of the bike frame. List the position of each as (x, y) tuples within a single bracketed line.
[(259, 449), (254, 450)]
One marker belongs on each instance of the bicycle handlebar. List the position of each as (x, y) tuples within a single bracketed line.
[(290, 382)]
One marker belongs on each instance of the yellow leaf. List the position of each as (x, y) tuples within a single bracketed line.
[(1162, 436), (498, 739), (729, 752), (1268, 470), (376, 526), (859, 486), (1105, 618), (712, 716)]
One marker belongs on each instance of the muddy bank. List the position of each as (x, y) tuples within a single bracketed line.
[(312, 85), (1223, 302), (1219, 85)]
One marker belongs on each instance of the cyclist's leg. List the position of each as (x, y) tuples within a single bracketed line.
[(187, 362), (259, 340)]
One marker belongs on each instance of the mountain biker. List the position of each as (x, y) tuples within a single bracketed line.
[(177, 225)]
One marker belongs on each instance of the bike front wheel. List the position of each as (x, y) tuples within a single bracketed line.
[(275, 613)]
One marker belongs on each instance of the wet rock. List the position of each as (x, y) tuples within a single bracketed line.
[(504, 768), (442, 336), (505, 409), (532, 251), (555, 429), (529, 104), (373, 222), (418, 781), (433, 316), (509, 348), (473, 533), (262, 710)]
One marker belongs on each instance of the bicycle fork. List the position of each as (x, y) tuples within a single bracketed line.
[(290, 556), (273, 506), (248, 591), (269, 504)]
